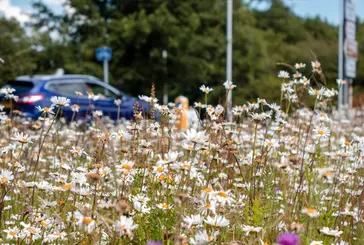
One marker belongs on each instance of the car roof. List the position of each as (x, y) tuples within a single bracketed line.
[(40, 77), (51, 78)]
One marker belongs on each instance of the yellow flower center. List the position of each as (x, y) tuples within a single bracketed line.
[(126, 166), (311, 211), (185, 165), (320, 132), (12, 233), (328, 173), (86, 220), (222, 194), (67, 186)]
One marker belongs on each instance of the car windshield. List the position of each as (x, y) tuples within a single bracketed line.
[(21, 87), (71, 87)]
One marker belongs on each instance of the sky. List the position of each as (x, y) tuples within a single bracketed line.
[(326, 9)]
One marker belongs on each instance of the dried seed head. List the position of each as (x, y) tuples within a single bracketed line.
[(95, 156), (296, 226), (294, 159), (180, 240), (181, 198), (123, 206), (152, 93), (259, 159), (167, 235), (136, 108), (234, 243), (93, 177)]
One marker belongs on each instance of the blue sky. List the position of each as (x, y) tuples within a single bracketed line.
[(327, 9)]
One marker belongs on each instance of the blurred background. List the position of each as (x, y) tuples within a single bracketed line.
[(178, 42)]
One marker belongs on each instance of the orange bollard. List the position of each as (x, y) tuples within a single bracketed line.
[(183, 121)]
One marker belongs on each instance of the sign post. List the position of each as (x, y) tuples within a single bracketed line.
[(104, 54), (348, 52), (229, 55)]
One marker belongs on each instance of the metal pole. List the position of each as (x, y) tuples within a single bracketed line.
[(165, 83), (106, 71), (350, 94), (341, 65), (165, 93), (345, 95), (229, 52)]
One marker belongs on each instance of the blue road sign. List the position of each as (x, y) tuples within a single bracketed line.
[(103, 54)]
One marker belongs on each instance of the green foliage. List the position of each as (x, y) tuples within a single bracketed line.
[(258, 213), (16, 50)]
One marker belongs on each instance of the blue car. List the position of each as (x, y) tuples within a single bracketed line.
[(37, 90)]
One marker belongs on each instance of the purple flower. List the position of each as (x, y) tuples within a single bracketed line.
[(288, 239), (154, 243), (277, 188)]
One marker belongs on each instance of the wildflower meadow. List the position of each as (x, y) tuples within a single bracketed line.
[(285, 173)]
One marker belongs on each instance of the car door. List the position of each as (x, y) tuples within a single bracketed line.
[(106, 100)]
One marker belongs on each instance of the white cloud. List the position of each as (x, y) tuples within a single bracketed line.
[(54, 2), (11, 11)]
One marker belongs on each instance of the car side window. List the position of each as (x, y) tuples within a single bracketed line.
[(68, 89), (101, 91)]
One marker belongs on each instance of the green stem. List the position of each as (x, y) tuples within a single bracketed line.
[(252, 166)]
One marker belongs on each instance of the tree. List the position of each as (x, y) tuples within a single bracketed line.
[(16, 50), (193, 33)]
